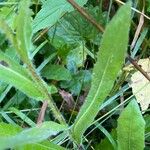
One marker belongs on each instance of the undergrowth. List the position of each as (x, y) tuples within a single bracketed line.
[(74, 74)]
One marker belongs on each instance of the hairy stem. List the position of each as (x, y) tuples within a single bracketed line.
[(43, 87)]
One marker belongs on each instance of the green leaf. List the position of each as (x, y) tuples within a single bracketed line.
[(46, 145), (7, 130), (24, 30), (131, 128), (20, 82), (106, 143), (73, 28), (51, 12), (110, 59), (10, 130), (4, 28), (32, 135), (7, 61), (80, 81), (24, 117), (56, 72), (76, 58)]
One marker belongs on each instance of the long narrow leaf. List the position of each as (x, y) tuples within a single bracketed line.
[(24, 30), (20, 82), (7, 61), (12, 136), (131, 128), (33, 135), (110, 59)]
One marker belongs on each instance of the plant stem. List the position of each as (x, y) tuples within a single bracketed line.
[(43, 87)]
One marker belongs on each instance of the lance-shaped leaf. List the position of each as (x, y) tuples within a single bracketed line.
[(12, 136), (131, 128), (20, 82), (8, 62), (110, 59), (23, 30), (51, 12)]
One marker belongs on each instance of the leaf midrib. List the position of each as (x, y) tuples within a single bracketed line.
[(94, 99)]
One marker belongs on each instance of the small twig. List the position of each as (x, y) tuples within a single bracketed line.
[(41, 34), (101, 29), (134, 63), (42, 112), (85, 15)]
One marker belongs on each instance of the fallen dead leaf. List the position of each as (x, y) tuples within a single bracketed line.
[(140, 85)]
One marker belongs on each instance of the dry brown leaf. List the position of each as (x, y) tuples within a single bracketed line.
[(138, 30), (140, 85)]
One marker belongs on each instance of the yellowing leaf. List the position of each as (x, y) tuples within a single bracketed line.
[(140, 85)]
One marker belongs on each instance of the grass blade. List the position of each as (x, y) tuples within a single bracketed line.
[(24, 117)]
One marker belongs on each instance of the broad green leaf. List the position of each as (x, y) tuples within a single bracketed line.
[(74, 28), (51, 12), (56, 72), (20, 82), (131, 128), (76, 58), (110, 59), (9, 62), (24, 30), (32, 135)]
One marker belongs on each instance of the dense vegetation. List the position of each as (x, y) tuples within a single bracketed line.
[(74, 74)]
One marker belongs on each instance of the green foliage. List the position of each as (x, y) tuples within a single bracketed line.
[(56, 72), (131, 128), (148, 5), (73, 28), (80, 81), (47, 52), (24, 30), (10, 63), (110, 57), (7, 130), (76, 58), (46, 145), (20, 82), (32, 135), (51, 12), (106, 143)]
